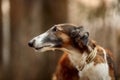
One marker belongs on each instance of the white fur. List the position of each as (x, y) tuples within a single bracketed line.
[(78, 59), (91, 71), (39, 39), (39, 42), (75, 56), (95, 72)]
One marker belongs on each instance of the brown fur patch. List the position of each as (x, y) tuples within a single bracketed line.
[(99, 57), (65, 70), (110, 64), (65, 38)]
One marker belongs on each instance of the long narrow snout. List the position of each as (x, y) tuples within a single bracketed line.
[(39, 41), (45, 41)]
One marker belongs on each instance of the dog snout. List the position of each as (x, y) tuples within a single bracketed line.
[(31, 43)]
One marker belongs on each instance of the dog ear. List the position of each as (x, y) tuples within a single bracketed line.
[(75, 33), (80, 36), (84, 38)]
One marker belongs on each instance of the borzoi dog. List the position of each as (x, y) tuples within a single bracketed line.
[(83, 59)]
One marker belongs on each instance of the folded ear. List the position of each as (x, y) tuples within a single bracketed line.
[(75, 33), (84, 38), (80, 36)]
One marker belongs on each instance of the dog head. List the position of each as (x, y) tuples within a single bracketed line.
[(61, 36)]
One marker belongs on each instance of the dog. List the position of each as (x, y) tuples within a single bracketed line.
[(83, 59)]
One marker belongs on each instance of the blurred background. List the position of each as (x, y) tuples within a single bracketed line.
[(21, 20)]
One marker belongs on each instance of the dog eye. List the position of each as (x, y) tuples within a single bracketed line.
[(54, 29)]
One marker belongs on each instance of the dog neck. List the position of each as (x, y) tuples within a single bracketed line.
[(79, 59)]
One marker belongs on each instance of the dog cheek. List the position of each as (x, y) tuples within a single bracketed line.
[(85, 42), (59, 43)]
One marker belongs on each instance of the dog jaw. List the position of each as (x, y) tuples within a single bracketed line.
[(40, 45)]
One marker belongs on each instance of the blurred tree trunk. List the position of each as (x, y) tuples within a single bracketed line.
[(1, 72), (26, 20), (25, 24), (0, 35), (54, 12)]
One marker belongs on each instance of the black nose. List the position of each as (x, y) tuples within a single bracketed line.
[(31, 43)]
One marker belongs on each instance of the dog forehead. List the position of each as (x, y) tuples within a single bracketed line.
[(70, 28), (66, 27)]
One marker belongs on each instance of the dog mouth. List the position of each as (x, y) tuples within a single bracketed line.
[(46, 46)]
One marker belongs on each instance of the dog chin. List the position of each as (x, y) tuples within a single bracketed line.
[(44, 49)]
